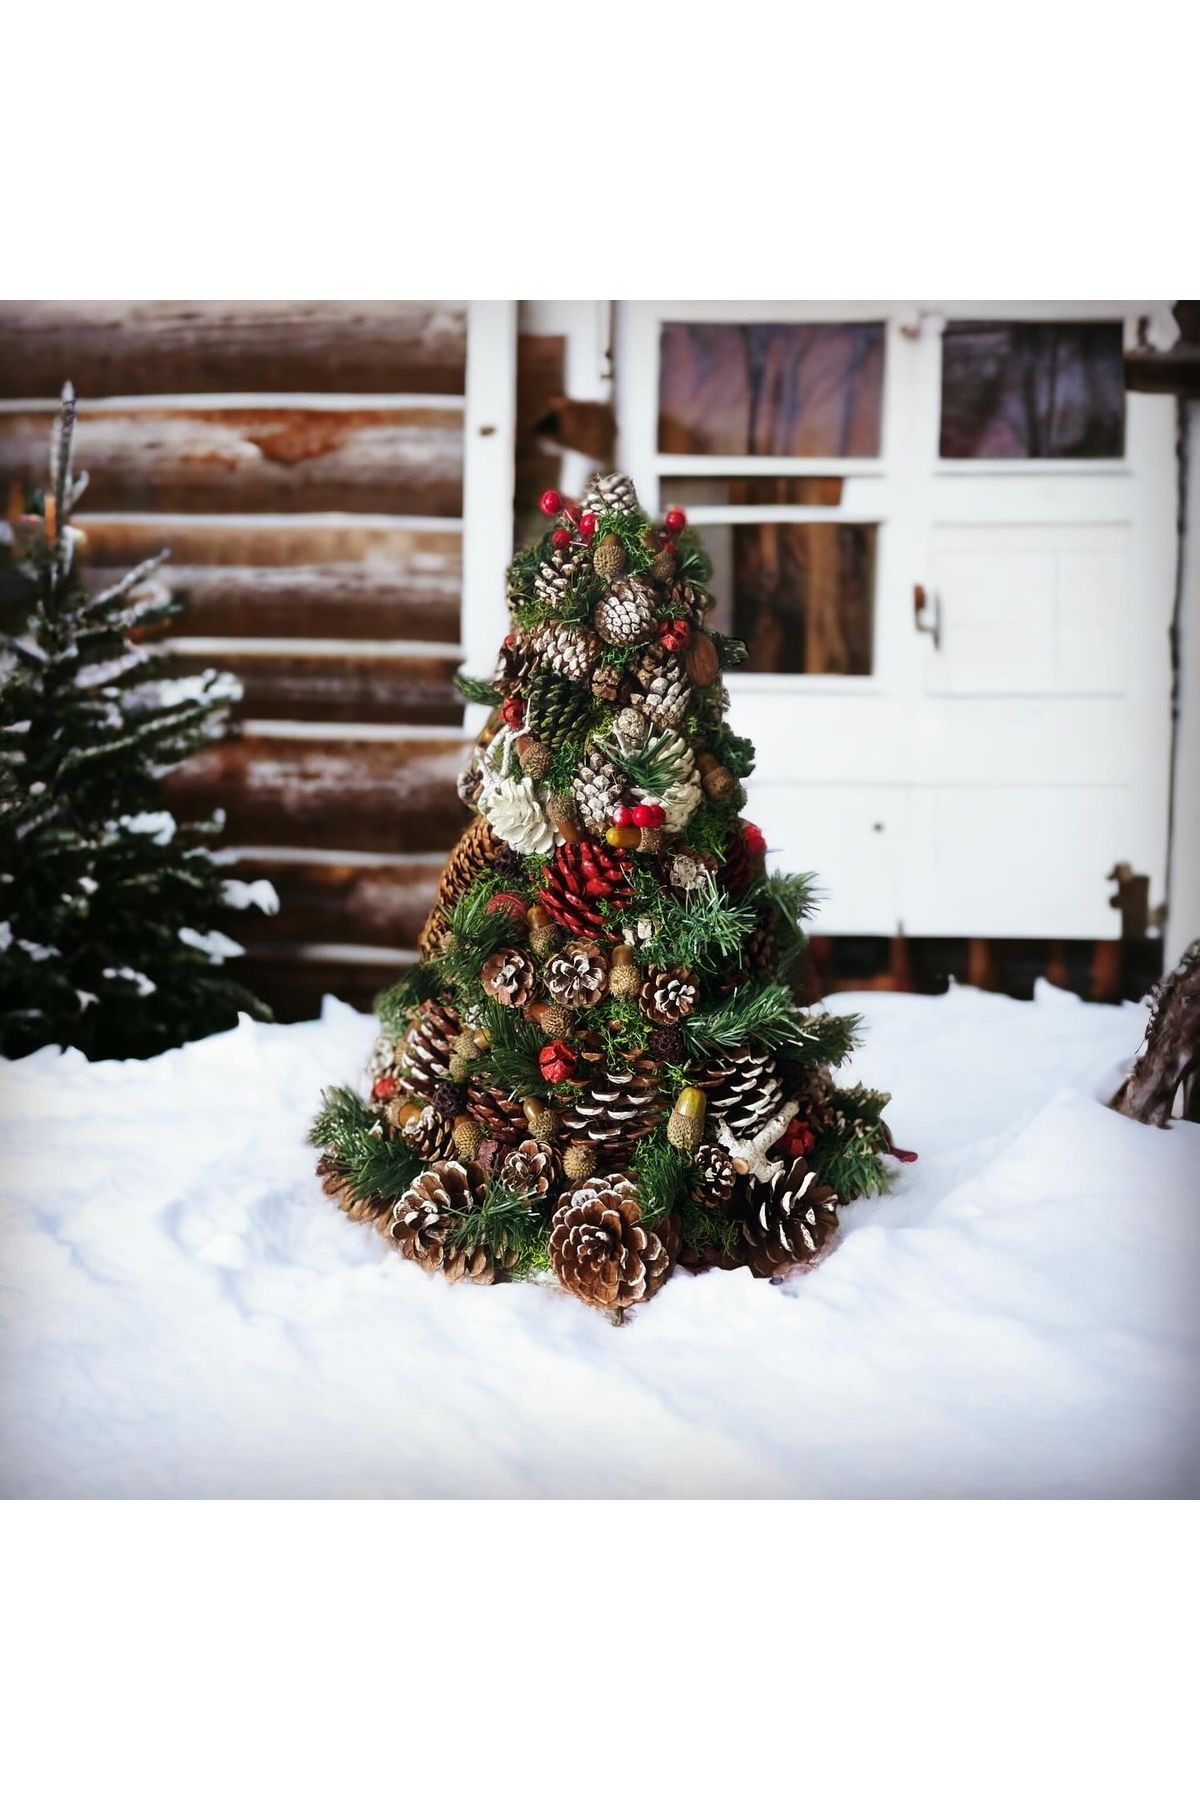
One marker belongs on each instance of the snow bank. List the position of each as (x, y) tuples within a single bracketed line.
[(186, 1314)]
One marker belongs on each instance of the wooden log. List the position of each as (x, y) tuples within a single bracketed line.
[(294, 988), (351, 902), (231, 347), (237, 460), (337, 687), (1168, 1064), (357, 794)]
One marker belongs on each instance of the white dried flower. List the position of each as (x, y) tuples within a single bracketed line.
[(515, 814)]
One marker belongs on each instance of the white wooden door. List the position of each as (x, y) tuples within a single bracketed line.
[(996, 736)]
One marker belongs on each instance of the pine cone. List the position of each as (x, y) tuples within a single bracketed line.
[(599, 1249), (713, 1176), (668, 995), (531, 1170), (608, 683), (426, 1052), (509, 977), (448, 1098), (509, 863), (428, 1211), (615, 1107), (688, 602), (514, 664), (661, 688), (579, 875), (740, 865), (697, 1259), (555, 708), (430, 1134), (571, 649), (554, 580), (497, 1110), (368, 1209), (576, 975), (744, 1089), (625, 614), (788, 1220), (668, 769), (475, 852), (610, 493), (817, 1101), (597, 790)]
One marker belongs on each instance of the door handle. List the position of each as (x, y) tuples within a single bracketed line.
[(927, 615)]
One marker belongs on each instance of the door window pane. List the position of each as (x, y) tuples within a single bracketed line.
[(770, 390), (802, 596), (1015, 388)]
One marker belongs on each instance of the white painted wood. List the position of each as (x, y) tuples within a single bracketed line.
[(489, 444), (1183, 899), (984, 788)]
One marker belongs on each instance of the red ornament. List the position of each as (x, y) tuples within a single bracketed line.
[(384, 1088), (676, 519), (649, 814), (551, 502), (560, 538), (510, 639), (557, 1061), (753, 839), (623, 815), (673, 634), (512, 906), (513, 711), (587, 526), (798, 1139)]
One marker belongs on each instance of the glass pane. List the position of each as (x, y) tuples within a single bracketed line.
[(802, 596), (1024, 389), (770, 390), (751, 490)]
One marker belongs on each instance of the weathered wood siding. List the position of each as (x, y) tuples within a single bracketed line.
[(303, 463)]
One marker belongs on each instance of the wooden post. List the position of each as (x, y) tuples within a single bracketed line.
[(489, 438)]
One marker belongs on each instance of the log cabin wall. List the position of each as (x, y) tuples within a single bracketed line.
[(304, 464)]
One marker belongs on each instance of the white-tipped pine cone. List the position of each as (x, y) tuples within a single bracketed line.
[(668, 995), (571, 649), (610, 493), (531, 1170), (625, 614), (600, 1250), (430, 1134), (597, 790), (576, 975), (661, 688), (509, 977), (514, 811), (675, 782), (425, 1216), (788, 1220), (744, 1090), (554, 579)]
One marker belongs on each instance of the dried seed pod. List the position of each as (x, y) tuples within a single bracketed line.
[(468, 1135), (624, 976), (550, 1017), (542, 1120), (608, 558), (579, 1161)]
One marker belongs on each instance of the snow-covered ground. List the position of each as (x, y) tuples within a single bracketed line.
[(185, 1314)]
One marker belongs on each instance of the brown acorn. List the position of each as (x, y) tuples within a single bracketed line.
[(624, 976), (701, 659), (535, 758), (608, 558)]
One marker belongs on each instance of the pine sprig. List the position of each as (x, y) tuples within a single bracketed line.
[(661, 1174), (374, 1167), (504, 1223), (703, 930), (396, 1005), (478, 693)]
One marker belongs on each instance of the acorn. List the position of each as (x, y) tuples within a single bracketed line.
[(459, 1068), (543, 932), (650, 839), (550, 1017), (685, 1127), (623, 837), (564, 816), (608, 558), (541, 1119), (468, 1135), (624, 976), (579, 1161), (464, 1045), (402, 1112), (716, 780), (701, 660), (535, 758)]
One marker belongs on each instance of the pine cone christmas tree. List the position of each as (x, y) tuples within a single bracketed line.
[(787, 1221), (600, 1250), (543, 1069)]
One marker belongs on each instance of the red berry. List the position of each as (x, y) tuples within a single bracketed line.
[(551, 502), (587, 526), (560, 538), (642, 815), (798, 1139), (676, 519), (511, 905), (670, 546), (623, 815), (572, 510), (384, 1088), (659, 815), (510, 639), (753, 839), (513, 711)]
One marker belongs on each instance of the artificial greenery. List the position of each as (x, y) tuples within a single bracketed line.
[(479, 693)]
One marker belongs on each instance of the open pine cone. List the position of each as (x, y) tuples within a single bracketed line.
[(425, 1056), (424, 1220), (576, 877), (713, 1176), (610, 493), (668, 995), (509, 977), (571, 649), (596, 791), (576, 975), (599, 1249), (625, 614), (661, 688), (531, 1170), (614, 1107), (497, 1110), (430, 1134), (744, 1089), (368, 1209), (787, 1221)]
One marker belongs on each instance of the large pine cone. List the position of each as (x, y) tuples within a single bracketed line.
[(788, 1220), (497, 1110), (597, 790), (625, 614), (579, 875), (475, 851), (668, 995), (554, 580), (744, 1089), (614, 1108), (571, 649), (368, 1209), (661, 688), (426, 1214), (425, 1054), (509, 976), (610, 493), (576, 975), (532, 1170), (555, 708), (600, 1250)]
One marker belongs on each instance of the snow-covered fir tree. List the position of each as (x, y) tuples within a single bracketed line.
[(111, 910)]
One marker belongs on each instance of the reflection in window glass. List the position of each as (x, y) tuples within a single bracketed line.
[(770, 390), (1030, 389), (802, 596)]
